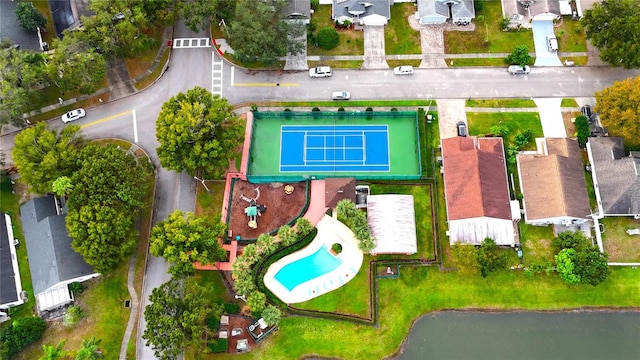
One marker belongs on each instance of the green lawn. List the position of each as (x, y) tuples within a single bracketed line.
[(501, 103), (210, 204), (421, 290), (423, 213), (621, 246), (569, 102), (351, 41), (480, 123), (465, 42), (571, 36), (536, 244), (476, 62), (400, 38)]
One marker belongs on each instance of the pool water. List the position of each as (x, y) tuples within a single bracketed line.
[(302, 270)]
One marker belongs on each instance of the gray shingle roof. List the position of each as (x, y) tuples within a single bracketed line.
[(459, 8), (8, 291), (361, 8), (51, 258), (297, 9), (617, 175)]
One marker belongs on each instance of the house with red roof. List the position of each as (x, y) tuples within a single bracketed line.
[(477, 192)]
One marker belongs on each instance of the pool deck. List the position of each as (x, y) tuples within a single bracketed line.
[(330, 231)]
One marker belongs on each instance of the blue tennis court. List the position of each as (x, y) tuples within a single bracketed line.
[(335, 148)]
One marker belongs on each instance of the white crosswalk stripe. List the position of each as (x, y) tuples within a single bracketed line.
[(189, 43), (216, 74)]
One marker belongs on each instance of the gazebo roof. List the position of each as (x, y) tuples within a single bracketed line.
[(392, 223)]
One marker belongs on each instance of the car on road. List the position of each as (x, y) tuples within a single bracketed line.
[(403, 70), (320, 72), (462, 128), (340, 95), (73, 115), (552, 42), (519, 69)]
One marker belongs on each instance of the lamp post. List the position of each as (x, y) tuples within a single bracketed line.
[(203, 184), (241, 297)]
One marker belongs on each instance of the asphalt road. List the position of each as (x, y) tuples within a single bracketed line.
[(192, 67)]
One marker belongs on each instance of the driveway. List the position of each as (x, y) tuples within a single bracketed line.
[(450, 112), (542, 26), (298, 61), (374, 56), (550, 117)]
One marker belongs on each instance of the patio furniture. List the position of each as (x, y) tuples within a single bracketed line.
[(236, 331), (224, 320), (223, 334), (242, 345)]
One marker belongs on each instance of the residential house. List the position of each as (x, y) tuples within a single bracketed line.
[(11, 293), (522, 12), (460, 12), (616, 177), (363, 12), (477, 192), (298, 10), (553, 185), (53, 262), (337, 189)]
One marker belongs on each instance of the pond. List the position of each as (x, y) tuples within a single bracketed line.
[(525, 335)]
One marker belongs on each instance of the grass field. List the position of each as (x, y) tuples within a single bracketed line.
[(536, 244), (499, 61), (621, 246), (400, 38), (569, 102), (501, 103), (480, 123), (571, 36)]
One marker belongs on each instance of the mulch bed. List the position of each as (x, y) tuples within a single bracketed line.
[(281, 208)]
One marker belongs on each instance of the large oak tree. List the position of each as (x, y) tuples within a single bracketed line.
[(197, 131), (619, 109), (183, 239), (612, 27), (20, 72)]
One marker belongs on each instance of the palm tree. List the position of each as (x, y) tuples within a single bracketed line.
[(52, 352), (90, 350)]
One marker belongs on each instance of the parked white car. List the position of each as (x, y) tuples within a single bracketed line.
[(321, 71), (403, 70), (340, 95), (73, 115), (519, 69)]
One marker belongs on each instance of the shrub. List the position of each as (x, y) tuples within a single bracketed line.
[(522, 139), (311, 39), (499, 130), (315, 109), (213, 323), (504, 23), (337, 248), (328, 38), (20, 334), (254, 107), (480, 18), (230, 308), (74, 315), (478, 5), (369, 109), (218, 345), (582, 130), (394, 109), (76, 287)]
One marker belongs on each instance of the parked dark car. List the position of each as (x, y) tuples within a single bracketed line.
[(586, 111), (462, 128)]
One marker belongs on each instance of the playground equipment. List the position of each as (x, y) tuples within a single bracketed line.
[(254, 209)]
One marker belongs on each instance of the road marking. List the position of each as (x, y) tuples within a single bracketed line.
[(191, 43), (233, 74), (216, 74), (267, 84), (135, 126), (106, 119)]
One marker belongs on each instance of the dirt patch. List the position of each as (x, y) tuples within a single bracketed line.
[(569, 126), (281, 208)]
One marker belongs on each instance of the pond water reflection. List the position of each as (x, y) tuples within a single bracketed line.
[(525, 335)]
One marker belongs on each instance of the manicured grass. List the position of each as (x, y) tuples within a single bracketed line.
[(351, 299), (394, 63), (155, 74), (465, 42), (621, 246), (210, 204), (476, 62), (536, 243), (341, 64), (569, 102), (423, 213), (501, 103), (480, 123), (117, 142), (400, 38), (578, 60), (570, 36), (351, 41), (142, 62), (212, 281), (421, 290)]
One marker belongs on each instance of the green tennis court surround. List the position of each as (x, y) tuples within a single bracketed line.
[(293, 146)]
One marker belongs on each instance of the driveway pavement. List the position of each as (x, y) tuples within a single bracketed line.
[(298, 61), (542, 26), (450, 111), (374, 56), (551, 117)]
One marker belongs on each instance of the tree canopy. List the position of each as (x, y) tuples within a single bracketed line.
[(612, 27), (103, 204), (76, 66), (28, 17), (176, 317), (20, 72), (258, 32), (619, 109), (587, 265), (42, 155), (519, 56), (197, 131), (183, 239), (490, 258)]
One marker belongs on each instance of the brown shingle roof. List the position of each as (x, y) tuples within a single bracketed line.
[(475, 178), (337, 189), (552, 181)]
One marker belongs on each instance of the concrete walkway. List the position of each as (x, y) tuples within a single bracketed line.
[(374, 57), (551, 117)]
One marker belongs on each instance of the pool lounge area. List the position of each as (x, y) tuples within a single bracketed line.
[(314, 270)]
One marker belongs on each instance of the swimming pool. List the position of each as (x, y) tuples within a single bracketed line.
[(310, 267)]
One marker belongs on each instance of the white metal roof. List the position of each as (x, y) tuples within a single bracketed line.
[(392, 223)]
